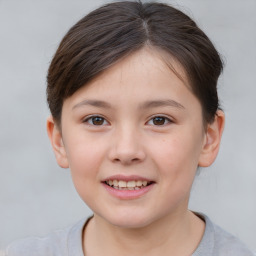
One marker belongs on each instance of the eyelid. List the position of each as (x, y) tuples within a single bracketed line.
[(105, 122), (87, 118), (170, 120)]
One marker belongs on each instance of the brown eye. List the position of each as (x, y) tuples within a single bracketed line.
[(96, 120), (159, 120)]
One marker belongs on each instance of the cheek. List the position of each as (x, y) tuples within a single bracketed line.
[(177, 154), (85, 157), (176, 160), (85, 163)]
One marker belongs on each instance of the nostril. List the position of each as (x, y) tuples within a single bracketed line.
[(135, 160), (127, 160), (126, 153)]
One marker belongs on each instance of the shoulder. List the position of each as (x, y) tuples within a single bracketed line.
[(227, 244), (218, 242), (55, 244)]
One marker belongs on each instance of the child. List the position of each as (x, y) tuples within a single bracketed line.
[(135, 112)]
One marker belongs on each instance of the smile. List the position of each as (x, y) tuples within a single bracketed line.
[(127, 185)]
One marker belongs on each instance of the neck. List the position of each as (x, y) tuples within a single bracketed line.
[(180, 236)]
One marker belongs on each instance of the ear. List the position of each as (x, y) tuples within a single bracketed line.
[(212, 140), (55, 136)]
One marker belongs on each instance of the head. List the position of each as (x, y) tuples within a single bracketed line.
[(114, 31), (132, 91)]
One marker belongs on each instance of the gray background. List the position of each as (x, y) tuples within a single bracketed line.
[(36, 196)]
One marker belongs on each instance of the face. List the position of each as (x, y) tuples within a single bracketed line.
[(133, 139)]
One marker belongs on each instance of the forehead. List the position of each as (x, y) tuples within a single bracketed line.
[(149, 65), (142, 76)]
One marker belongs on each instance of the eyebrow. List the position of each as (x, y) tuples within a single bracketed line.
[(145, 105), (95, 103), (161, 103)]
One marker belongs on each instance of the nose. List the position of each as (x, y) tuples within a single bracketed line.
[(126, 147)]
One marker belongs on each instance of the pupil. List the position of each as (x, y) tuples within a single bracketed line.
[(97, 120), (159, 120)]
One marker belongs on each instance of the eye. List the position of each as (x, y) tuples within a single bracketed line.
[(96, 121), (159, 121)]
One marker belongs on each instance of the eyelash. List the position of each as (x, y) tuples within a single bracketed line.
[(90, 120), (166, 120)]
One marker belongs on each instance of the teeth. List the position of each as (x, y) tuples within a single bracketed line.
[(138, 183), (144, 183), (129, 185), (122, 184)]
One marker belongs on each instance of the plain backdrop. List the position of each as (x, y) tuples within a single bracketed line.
[(37, 197)]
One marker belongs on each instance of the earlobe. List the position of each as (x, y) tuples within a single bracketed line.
[(55, 137), (212, 140)]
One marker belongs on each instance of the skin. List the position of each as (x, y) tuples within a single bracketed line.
[(127, 140)]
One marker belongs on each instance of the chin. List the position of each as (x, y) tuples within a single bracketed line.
[(129, 224), (128, 220)]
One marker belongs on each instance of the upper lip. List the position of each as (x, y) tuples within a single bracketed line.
[(126, 178)]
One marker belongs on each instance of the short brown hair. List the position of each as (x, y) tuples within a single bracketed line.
[(113, 31)]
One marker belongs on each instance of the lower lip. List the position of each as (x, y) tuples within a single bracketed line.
[(128, 194)]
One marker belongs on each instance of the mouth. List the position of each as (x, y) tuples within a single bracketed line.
[(128, 185)]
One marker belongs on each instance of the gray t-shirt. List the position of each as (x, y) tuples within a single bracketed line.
[(68, 242)]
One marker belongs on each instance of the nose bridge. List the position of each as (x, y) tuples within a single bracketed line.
[(127, 145)]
